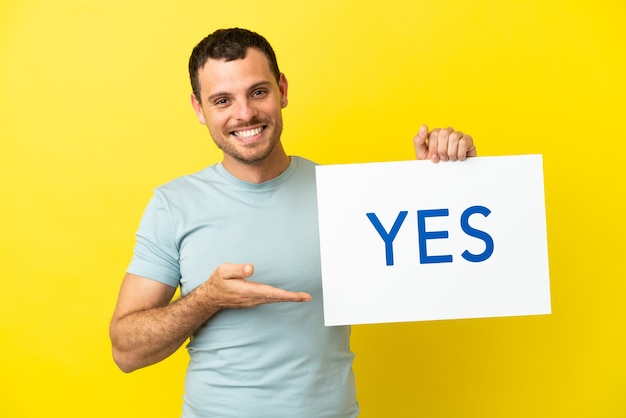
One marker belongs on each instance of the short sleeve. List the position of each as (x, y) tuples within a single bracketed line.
[(156, 254)]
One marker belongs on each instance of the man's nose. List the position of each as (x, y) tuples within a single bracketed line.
[(245, 110)]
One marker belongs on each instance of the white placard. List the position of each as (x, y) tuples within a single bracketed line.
[(415, 241)]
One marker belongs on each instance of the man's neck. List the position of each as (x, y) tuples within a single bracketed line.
[(271, 167)]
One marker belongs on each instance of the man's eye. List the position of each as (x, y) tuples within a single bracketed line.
[(258, 93), (221, 101)]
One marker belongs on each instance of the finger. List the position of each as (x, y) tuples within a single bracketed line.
[(466, 147), (269, 294), (433, 138), (443, 139), (453, 145), (228, 271), (419, 142)]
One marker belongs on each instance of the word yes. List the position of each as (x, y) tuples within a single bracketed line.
[(423, 235)]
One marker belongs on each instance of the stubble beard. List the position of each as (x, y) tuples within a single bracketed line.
[(257, 154)]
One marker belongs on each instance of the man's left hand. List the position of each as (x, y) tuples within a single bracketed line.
[(443, 145)]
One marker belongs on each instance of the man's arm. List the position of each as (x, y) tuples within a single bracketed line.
[(146, 328), (443, 145)]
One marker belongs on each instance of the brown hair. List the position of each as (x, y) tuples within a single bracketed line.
[(228, 44)]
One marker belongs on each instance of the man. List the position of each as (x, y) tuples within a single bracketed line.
[(258, 348)]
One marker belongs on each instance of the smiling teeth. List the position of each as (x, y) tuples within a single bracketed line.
[(248, 133)]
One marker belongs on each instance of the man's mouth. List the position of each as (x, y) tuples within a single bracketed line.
[(248, 133)]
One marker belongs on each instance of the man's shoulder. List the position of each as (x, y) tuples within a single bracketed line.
[(304, 161), (215, 177), (187, 182), (304, 164)]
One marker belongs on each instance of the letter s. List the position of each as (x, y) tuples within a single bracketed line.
[(476, 258)]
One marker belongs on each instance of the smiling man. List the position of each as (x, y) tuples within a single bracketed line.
[(258, 348), (240, 101)]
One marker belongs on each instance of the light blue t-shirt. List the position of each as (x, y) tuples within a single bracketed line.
[(275, 360)]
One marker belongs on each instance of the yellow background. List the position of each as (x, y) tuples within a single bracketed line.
[(94, 113)]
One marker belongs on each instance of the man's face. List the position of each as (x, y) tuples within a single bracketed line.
[(241, 105)]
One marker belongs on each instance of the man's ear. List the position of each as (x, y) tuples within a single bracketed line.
[(282, 86), (197, 108)]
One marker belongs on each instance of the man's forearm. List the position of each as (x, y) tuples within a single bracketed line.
[(146, 337)]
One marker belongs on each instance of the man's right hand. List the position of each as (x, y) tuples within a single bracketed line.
[(228, 288)]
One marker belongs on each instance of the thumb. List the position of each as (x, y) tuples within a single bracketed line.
[(419, 142), (247, 270), (230, 271)]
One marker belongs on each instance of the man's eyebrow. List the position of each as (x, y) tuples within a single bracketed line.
[(259, 84)]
